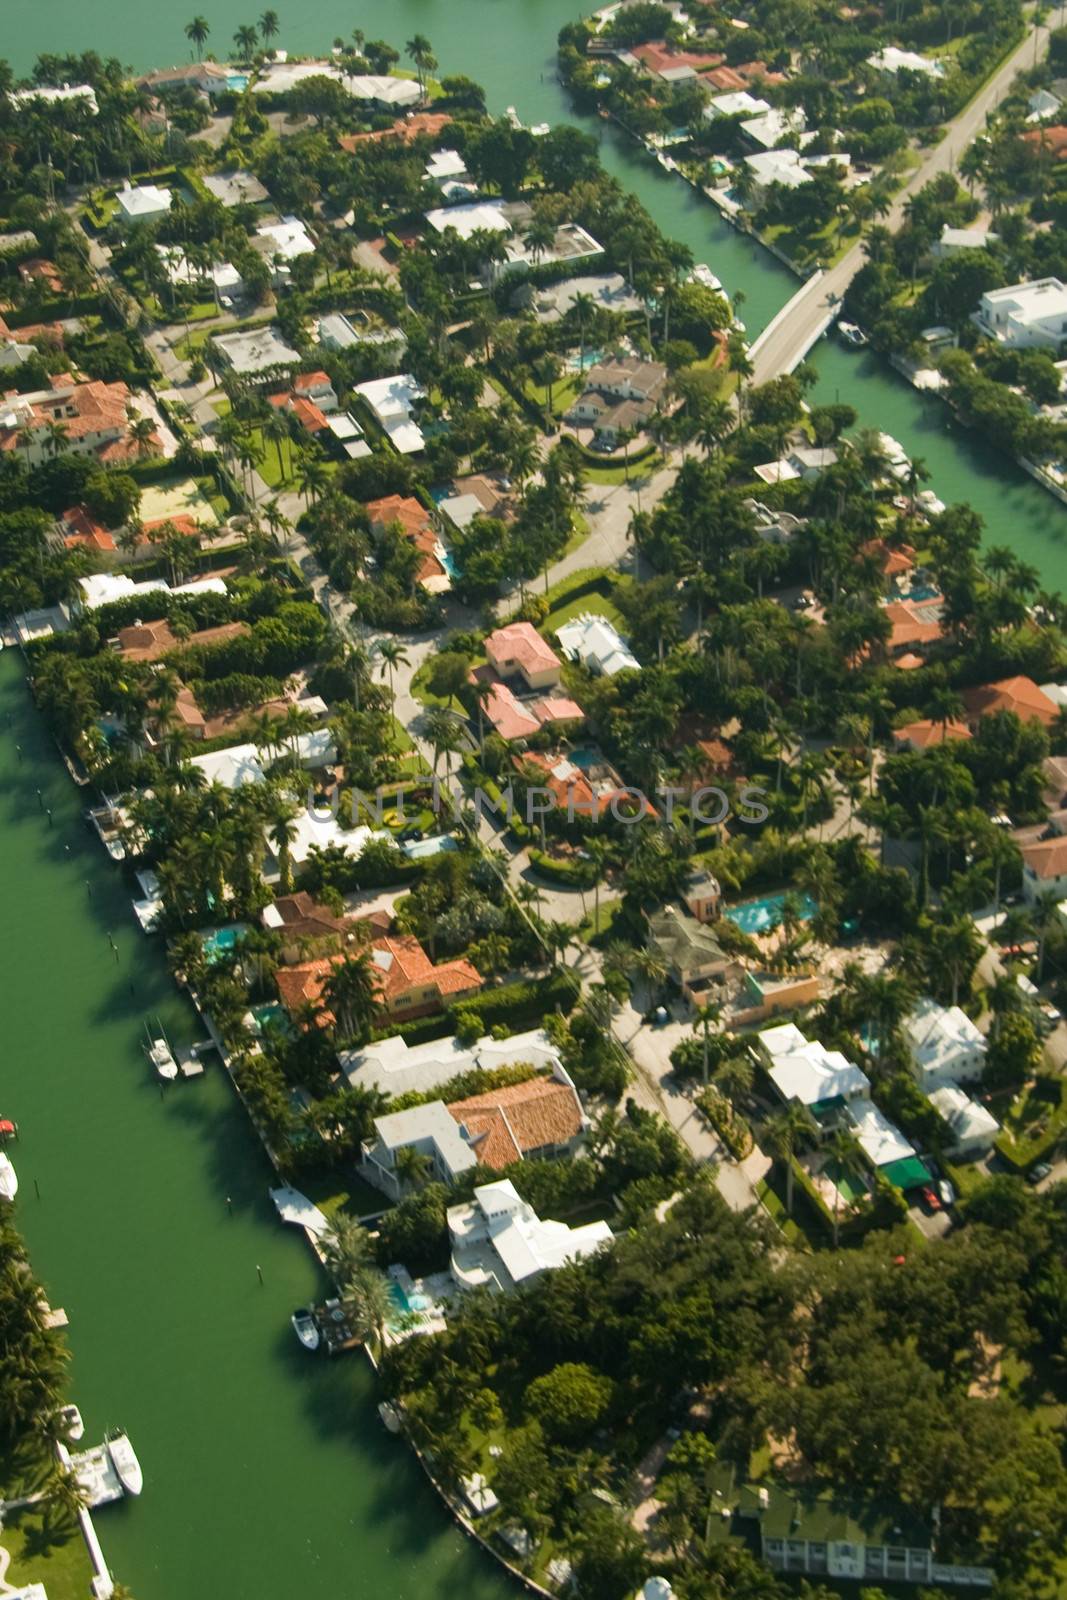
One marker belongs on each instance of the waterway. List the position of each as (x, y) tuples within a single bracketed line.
[(267, 1471)]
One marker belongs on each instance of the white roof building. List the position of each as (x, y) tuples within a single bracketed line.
[(774, 125), (738, 104), (1042, 105), (973, 1128), (431, 1130), (101, 588), (445, 164), (1026, 314), (878, 1138), (243, 763), (279, 77), (280, 243), (953, 240), (804, 1070), (475, 216), (392, 401), (893, 60), (397, 1068), (143, 202), (597, 644), (180, 270), (945, 1045), (312, 829), (235, 188), (778, 166), (256, 350), (45, 93), (499, 1241)]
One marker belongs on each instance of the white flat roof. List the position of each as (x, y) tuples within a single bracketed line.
[(320, 831), (446, 164), (812, 1074), (1031, 301), (67, 91), (891, 59), (143, 200), (461, 509), (243, 763), (469, 218), (779, 166), (289, 237), (398, 1068), (966, 1118), (877, 1137), (738, 104)]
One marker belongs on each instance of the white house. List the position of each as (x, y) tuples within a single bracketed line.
[(1026, 315), (445, 166), (255, 351), (45, 94), (774, 125), (393, 400), (805, 1071), (945, 1045), (738, 104), (476, 216), (396, 1068), (499, 1241), (973, 1128), (280, 243), (953, 240), (431, 1131), (243, 763), (1042, 105), (143, 202), (777, 166), (879, 1139), (597, 644), (893, 60)]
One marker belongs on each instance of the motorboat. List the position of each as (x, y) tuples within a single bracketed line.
[(390, 1416), (9, 1183), (162, 1058), (8, 1130), (306, 1328), (703, 274), (125, 1463), (71, 1420), (852, 335)]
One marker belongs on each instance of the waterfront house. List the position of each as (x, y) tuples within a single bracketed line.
[(519, 650), (691, 953), (397, 1068), (207, 77), (499, 1241), (1029, 315), (541, 1119), (1019, 694), (785, 167), (1045, 868), (144, 202), (738, 104), (971, 1127), (44, 94), (407, 982), (239, 764), (944, 1044), (301, 923), (597, 645)]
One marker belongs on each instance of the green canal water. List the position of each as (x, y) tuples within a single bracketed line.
[(267, 1471)]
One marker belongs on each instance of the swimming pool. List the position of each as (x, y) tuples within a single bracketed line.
[(220, 941), (238, 81), (408, 1305), (760, 916), (582, 363), (268, 1015), (585, 758), (421, 849)]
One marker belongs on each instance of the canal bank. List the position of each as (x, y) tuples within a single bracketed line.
[(266, 1471)]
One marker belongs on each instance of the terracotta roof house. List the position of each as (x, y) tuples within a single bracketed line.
[(662, 60), (912, 625), (45, 273), (583, 794), (93, 417), (925, 735), (1052, 140), (405, 129), (201, 727), (519, 649), (408, 983), (301, 920), (80, 528), (513, 718), (892, 563), (415, 524), (1045, 868), (149, 641), (1019, 694), (538, 1118)]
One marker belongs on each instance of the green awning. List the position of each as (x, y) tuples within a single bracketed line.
[(908, 1173)]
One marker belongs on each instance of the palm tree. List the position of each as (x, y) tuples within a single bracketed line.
[(268, 26), (282, 834), (393, 654), (706, 1018), (782, 1135), (346, 1250), (413, 1167), (420, 51), (311, 477), (351, 993), (246, 39), (196, 32), (142, 434), (369, 1306)]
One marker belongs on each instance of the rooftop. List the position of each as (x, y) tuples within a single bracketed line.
[(1019, 694), (876, 1136), (256, 350), (521, 643), (505, 1125), (398, 1068), (235, 188), (597, 644)]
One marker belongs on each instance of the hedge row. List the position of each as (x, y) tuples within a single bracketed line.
[(516, 1006), (731, 1127), (573, 874)]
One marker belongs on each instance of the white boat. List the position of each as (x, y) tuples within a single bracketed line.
[(125, 1463), (306, 1328), (390, 1416), (9, 1183), (73, 1426), (162, 1058), (702, 273), (852, 335)]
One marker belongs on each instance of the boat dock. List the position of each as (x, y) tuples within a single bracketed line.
[(96, 1473)]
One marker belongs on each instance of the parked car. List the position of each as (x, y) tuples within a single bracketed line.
[(946, 1192), (930, 1198), (1039, 1173)]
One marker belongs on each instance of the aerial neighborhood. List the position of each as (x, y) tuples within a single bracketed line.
[(600, 811)]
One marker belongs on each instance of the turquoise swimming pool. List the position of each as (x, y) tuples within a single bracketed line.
[(220, 941), (238, 81), (408, 1305), (760, 916)]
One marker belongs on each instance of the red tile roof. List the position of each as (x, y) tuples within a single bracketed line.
[(80, 528), (504, 1125), (892, 562), (923, 735), (405, 129), (1019, 694), (1047, 858), (660, 57), (410, 513), (520, 642)]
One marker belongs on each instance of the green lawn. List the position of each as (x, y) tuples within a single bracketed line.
[(598, 927), (333, 1193), (565, 605), (639, 471), (564, 392), (53, 1555)]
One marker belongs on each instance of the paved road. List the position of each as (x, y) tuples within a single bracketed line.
[(786, 342)]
